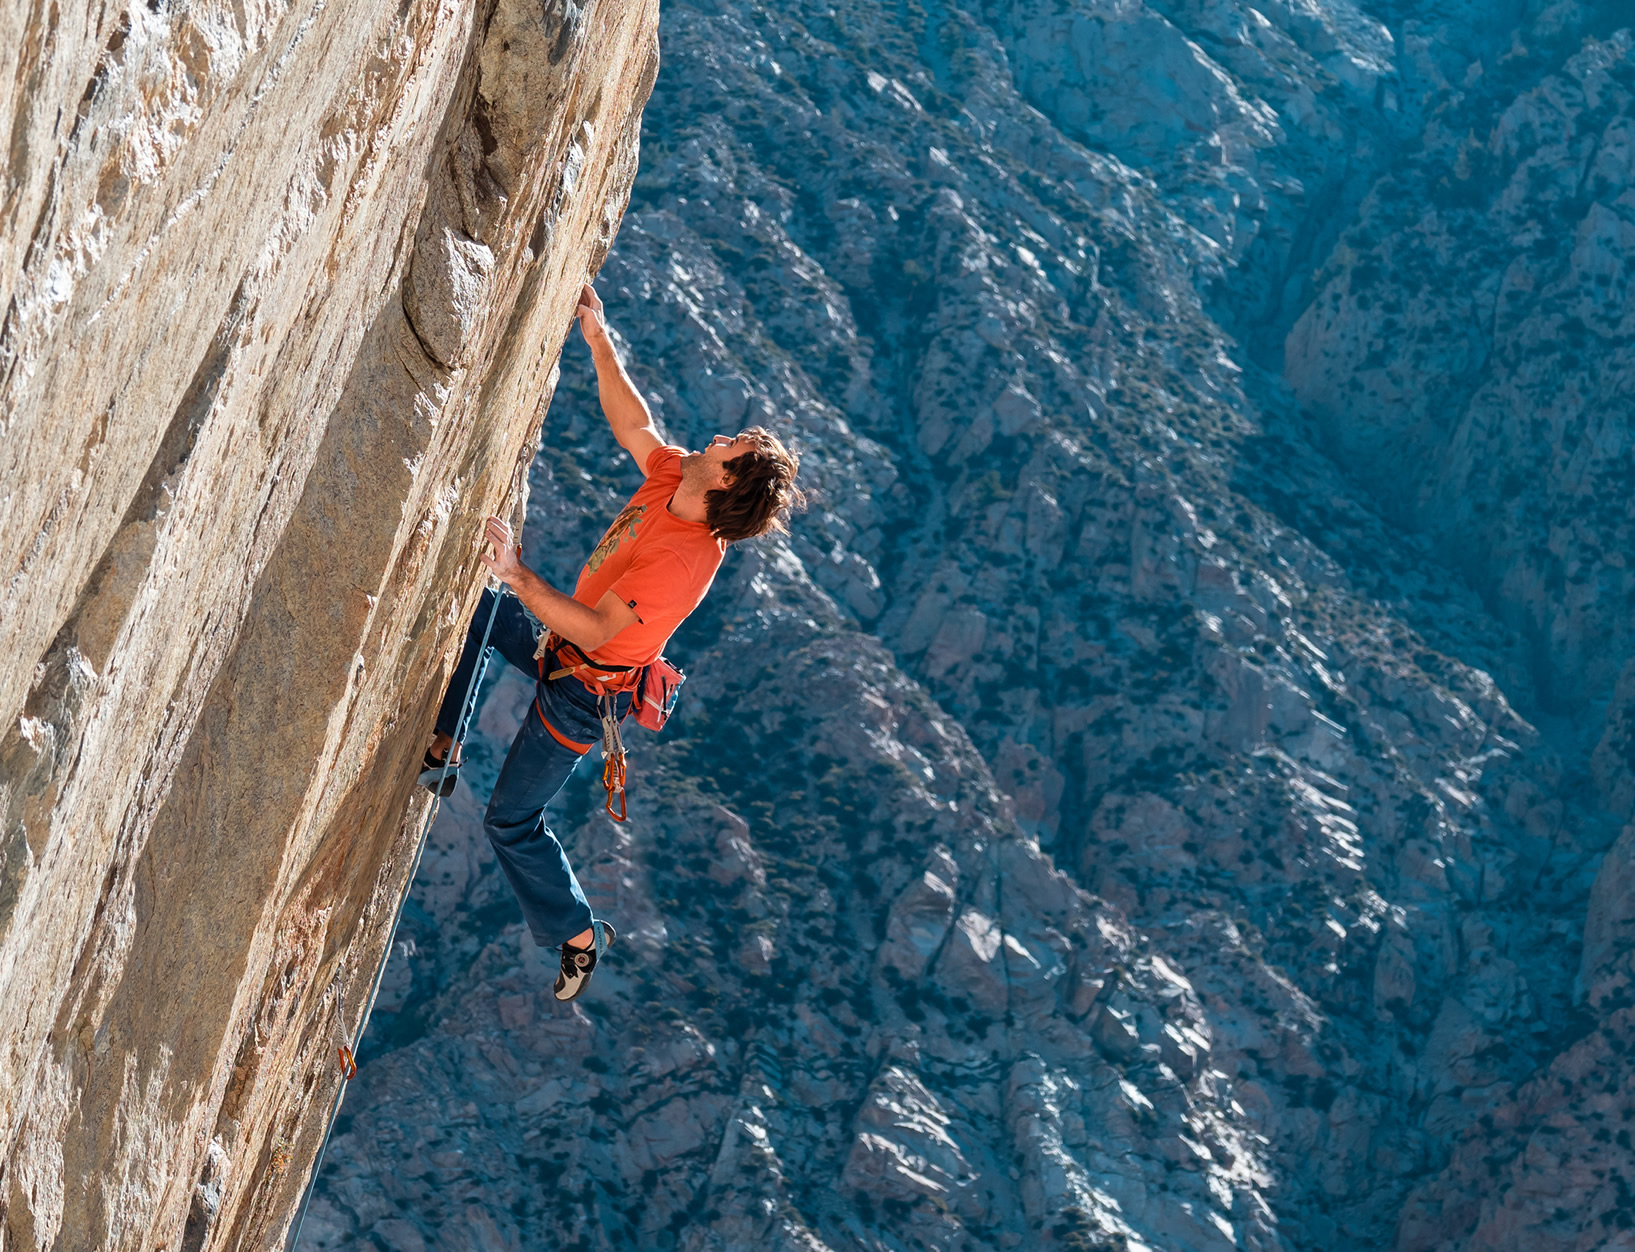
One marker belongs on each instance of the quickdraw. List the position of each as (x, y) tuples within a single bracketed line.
[(612, 756)]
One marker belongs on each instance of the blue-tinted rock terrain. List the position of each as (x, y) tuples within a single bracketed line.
[(1172, 789)]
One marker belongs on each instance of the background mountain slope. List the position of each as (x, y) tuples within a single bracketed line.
[(1167, 792)]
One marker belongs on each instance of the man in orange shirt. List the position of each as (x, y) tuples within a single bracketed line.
[(651, 569)]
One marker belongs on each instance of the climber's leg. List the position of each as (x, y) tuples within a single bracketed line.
[(513, 635), (553, 903)]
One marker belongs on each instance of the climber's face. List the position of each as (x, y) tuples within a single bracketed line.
[(709, 467)]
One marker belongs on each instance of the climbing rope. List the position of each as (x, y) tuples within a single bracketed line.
[(346, 1053)]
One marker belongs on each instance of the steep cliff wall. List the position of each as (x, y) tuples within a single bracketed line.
[(283, 288)]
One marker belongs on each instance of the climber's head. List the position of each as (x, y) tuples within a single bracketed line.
[(750, 481)]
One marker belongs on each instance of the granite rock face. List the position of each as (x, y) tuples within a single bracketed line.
[(283, 286), (1160, 796)]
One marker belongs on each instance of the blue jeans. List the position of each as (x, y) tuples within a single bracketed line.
[(553, 903)]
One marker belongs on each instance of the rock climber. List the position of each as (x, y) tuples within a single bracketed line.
[(651, 569)]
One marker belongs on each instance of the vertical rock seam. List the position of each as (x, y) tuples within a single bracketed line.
[(282, 290)]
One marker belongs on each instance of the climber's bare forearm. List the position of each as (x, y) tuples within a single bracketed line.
[(627, 413), (628, 416), (575, 622), (622, 404), (580, 624), (585, 627)]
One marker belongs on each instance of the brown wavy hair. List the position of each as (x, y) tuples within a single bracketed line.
[(760, 490)]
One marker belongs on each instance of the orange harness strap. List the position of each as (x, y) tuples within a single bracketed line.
[(599, 678), (569, 744)]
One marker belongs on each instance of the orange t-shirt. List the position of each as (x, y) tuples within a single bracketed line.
[(657, 563)]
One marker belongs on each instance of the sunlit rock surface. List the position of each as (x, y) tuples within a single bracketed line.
[(282, 288)]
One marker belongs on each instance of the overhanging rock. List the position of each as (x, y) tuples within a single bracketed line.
[(283, 289)]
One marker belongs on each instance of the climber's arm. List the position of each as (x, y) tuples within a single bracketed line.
[(627, 413), (580, 624)]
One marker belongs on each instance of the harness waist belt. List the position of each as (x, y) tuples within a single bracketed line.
[(605, 679)]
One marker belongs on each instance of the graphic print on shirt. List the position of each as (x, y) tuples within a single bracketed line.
[(624, 526)]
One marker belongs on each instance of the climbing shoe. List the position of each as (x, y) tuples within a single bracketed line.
[(578, 964), (434, 780)]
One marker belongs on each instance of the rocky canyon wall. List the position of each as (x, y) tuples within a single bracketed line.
[(1117, 818), (1464, 353), (283, 288)]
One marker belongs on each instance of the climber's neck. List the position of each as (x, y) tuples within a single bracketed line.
[(688, 502)]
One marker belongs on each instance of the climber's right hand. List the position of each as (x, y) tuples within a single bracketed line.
[(589, 314), (505, 563)]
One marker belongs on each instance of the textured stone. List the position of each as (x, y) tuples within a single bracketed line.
[(1208, 667), (283, 286), (1484, 378)]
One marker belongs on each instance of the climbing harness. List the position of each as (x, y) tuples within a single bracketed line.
[(602, 679), (653, 689), (607, 681), (345, 1053)]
